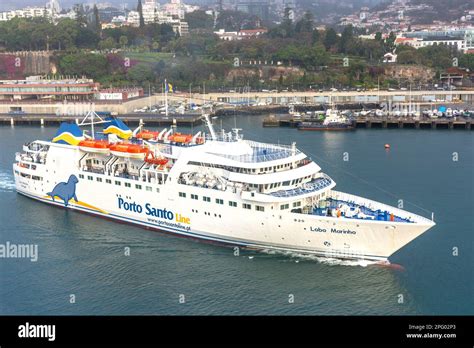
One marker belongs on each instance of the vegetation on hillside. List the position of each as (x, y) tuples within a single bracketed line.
[(146, 55)]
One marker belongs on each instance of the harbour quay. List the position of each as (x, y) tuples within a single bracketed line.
[(344, 97), (131, 119), (388, 122)]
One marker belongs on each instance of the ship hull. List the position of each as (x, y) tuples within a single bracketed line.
[(350, 240)]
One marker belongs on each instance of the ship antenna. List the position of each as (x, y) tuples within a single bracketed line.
[(88, 120)]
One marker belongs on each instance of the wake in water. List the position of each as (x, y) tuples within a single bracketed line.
[(324, 260), (7, 183)]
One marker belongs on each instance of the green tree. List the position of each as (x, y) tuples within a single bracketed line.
[(330, 39), (467, 61), (390, 42), (65, 35), (107, 44), (96, 23), (123, 41), (140, 14), (84, 64), (305, 24), (346, 40), (287, 23), (140, 73), (315, 37), (81, 18), (408, 55), (199, 20)]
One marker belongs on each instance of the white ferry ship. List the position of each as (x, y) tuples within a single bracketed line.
[(214, 187)]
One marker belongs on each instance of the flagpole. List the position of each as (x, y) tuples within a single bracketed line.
[(166, 98)]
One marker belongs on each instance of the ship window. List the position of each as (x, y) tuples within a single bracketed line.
[(127, 184), (148, 188), (99, 179), (34, 177), (138, 186), (219, 201), (247, 206), (193, 196), (286, 183), (232, 204), (284, 206), (81, 176), (108, 181), (90, 177), (182, 194), (296, 204), (117, 183), (259, 208)]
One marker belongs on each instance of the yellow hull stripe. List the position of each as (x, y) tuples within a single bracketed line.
[(83, 204)]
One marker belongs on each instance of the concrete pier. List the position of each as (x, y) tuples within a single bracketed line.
[(149, 119), (385, 123)]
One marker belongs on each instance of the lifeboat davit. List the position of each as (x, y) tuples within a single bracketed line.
[(150, 158), (181, 138), (95, 146), (147, 135), (129, 151)]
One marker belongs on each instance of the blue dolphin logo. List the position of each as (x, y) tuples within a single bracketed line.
[(65, 190)]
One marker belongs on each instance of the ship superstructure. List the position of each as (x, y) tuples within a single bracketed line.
[(214, 186)]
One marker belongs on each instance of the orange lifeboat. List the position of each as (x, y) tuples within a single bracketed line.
[(181, 138), (129, 150), (147, 135), (150, 158), (95, 146)]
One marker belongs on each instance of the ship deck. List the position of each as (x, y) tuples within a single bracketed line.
[(352, 210), (313, 186)]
